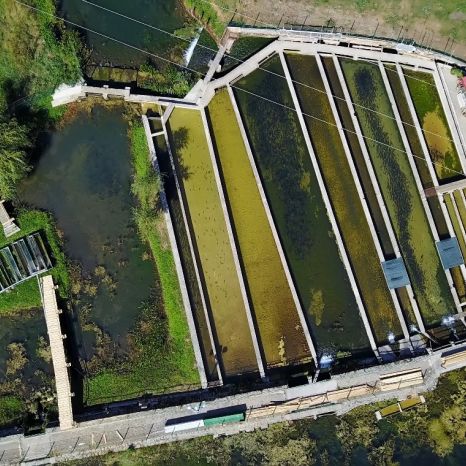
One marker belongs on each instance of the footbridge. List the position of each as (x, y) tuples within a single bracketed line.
[(60, 366)]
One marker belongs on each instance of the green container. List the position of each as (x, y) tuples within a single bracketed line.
[(215, 421)]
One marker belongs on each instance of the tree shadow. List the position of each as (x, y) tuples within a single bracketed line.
[(179, 141)]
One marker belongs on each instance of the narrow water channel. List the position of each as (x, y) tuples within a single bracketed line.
[(399, 190), (280, 330), (207, 222)]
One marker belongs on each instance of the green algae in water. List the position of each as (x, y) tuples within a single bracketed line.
[(34, 374), (196, 176), (358, 157), (278, 322), (187, 260), (456, 223), (298, 209), (399, 189), (408, 125), (345, 200), (434, 123), (83, 178)]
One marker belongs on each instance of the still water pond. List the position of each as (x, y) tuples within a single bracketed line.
[(165, 14), (83, 178)]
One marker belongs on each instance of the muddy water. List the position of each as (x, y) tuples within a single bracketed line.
[(195, 172), (346, 204), (83, 178), (280, 331), (299, 211)]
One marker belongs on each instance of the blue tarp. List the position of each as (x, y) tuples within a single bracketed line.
[(395, 273), (450, 253)]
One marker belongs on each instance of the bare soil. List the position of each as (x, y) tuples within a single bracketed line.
[(440, 25)]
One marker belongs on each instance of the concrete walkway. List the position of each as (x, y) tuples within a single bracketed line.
[(60, 366), (9, 226), (449, 82), (145, 428)]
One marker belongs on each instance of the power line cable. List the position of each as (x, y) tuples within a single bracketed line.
[(274, 73), (233, 86)]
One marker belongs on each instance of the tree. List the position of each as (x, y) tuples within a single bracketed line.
[(14, 142)]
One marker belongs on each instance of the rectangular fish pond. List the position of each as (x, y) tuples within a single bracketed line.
[(399, 190), (280, 331), (299, 212), (344, 197), (126, 315), (207, 222)]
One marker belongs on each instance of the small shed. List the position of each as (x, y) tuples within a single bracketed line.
[(395, 273), (450, 253)]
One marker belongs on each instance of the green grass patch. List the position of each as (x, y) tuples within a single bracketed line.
[(207, 14), (11, 410), (163, 358), (26, 295)]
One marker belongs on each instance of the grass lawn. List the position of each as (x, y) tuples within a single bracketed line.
[(26, 295)]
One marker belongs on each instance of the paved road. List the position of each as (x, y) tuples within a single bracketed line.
[(147, 427)]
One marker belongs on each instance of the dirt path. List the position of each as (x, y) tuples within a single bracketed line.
[(440, 25)]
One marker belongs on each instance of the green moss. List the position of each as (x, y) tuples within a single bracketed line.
[(11, 410)]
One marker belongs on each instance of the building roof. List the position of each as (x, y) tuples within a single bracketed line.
[(450, 253), (395, 273)]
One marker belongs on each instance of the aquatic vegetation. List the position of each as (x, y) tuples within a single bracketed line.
[(25, 377), (278, 323), (187, 259), (399, 189), (434, 123), (206, 216), (299, 212), (358, 157), (158, 338), (242, 49), (408, 125), (17, 358), (344, 197), (459, 283)]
